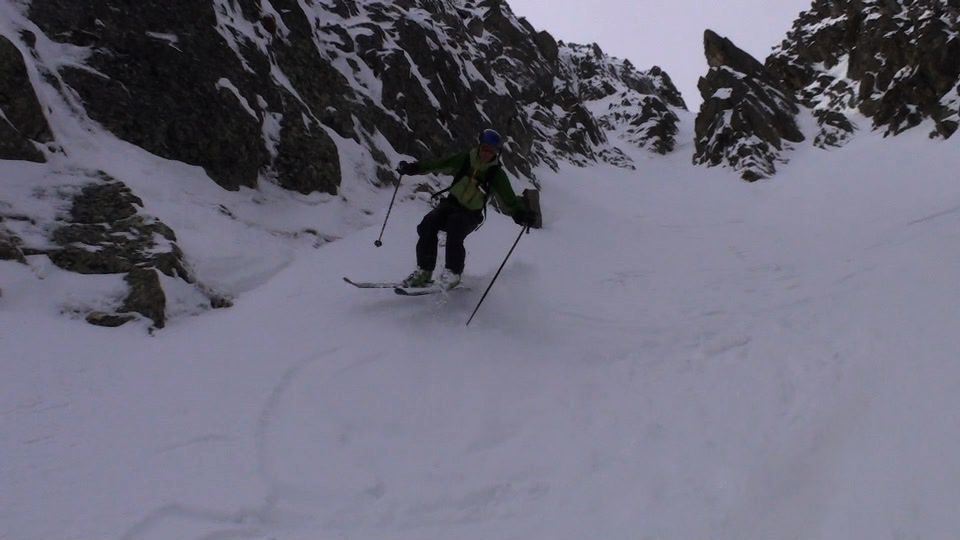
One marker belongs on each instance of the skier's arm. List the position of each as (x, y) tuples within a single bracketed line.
[(507, 199), (447, 165)]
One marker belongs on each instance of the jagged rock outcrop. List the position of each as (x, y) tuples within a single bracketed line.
[(105, 233), (746, 115), (10, 246), (90, 223), (22, 123), (636, 106), (250, 89), (146, 295), (165, 80), (895, 61)]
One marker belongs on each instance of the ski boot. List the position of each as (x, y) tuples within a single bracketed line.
[(448, 279), (419, 278)]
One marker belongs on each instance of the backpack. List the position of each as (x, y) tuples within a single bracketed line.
[(483, 183)]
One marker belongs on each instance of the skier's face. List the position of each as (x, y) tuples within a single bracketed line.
[(487, 152)]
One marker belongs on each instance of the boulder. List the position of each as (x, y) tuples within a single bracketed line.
[(146, 296), (108, 320), (10, 247), (106, 234)]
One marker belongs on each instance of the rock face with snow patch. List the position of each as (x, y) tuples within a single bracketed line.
[(746, 116), (22, 123), (163, 78), (639, 107), (87, 222), (282, 90), (106, 233), (10, 246), (896, 61)]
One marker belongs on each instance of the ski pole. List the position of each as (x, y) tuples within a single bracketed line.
[(495, 276), (378, 242)]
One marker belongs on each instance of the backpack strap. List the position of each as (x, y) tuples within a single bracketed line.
[(486, 182), (464, 171), (441, 192), (487, 188)]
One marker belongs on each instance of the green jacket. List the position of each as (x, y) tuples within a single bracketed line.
[(468, 187)]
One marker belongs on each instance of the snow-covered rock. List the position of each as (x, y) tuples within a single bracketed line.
[(639, 106), (10, 246), (895, 61), (251, 89), (747, 118)]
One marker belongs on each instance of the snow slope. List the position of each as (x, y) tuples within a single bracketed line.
[(676, 355)]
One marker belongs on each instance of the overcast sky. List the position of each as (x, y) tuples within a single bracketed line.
[(667, 33)]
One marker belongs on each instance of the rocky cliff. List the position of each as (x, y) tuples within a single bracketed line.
[(252, 89), (895, 62), (23, 126)]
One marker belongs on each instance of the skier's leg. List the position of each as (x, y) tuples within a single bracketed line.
[(459, 225), (427, 244)]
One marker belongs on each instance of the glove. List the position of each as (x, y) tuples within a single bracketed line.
[(525, 218), (407, 169)]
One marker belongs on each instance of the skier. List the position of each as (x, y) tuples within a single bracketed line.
[(476, 174)]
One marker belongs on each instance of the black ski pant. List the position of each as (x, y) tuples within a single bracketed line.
[(458, 222)]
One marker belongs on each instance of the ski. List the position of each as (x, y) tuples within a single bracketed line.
[(373, 285), (400, 289), (423, 291)]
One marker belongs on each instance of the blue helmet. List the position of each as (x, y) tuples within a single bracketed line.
[(491, 138)]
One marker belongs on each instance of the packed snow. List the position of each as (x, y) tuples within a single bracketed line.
[(676, 355)]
